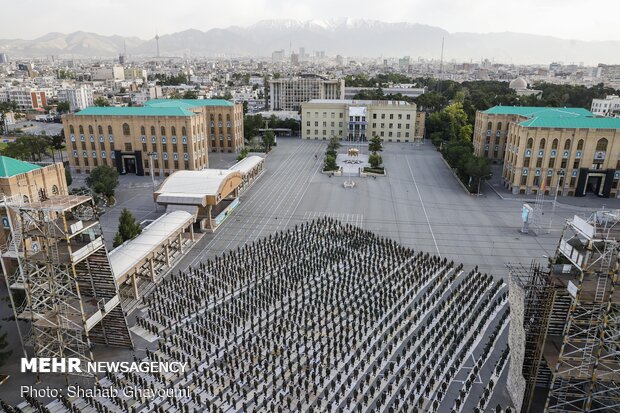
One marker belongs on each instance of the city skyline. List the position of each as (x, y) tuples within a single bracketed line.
[(143, 19)]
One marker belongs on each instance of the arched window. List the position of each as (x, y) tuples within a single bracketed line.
[(173, 131), (567, 144), (228, 119), (81, 130), (152, 130), (110, 130), (42, 194), (542, 144), (126, 130), (142, 130), (530, 143), (183, 131), (26, 199), (601, 145), (580, 145), (100, 130), (499, 126), (489, 125), (163, 131), (554, 145), (90, 129), (71, 129), (54, 190)]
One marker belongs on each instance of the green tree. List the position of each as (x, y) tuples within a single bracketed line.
[(56, 143), (329, 163), (128, 227), (103, 180), (269, 138), (242, 154), (190, 94), (478, 168), (27, 148), (101, 101), (374, 159), (63, 107), (375, 145)]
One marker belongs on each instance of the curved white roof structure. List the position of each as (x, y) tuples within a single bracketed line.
[(247, 164), (518, 84), (193, 187), (130, 254)]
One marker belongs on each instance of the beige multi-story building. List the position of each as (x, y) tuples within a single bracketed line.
[(491, 126), (573, 155), (165, 135), (290, 93), (359, 120)]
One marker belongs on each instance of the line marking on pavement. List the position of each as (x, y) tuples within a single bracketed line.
[(423, 207)]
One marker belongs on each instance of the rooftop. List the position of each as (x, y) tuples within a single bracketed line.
[(192, 187), (136, 111), (188, 103), (572, 122), (537, 111), (362, 102), (11, 167)]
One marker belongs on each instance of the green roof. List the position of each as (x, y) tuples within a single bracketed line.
[(11, 167), (581, 122), (136, 111), (536, 111), (189, 103)]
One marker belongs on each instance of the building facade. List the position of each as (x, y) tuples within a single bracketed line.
[(290, 93), (491, 126), (608, 107), (359, 120), (161, 137), (574, 156), (24, 97), (79, 97)]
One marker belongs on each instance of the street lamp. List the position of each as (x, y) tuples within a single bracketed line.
[(151, 171)]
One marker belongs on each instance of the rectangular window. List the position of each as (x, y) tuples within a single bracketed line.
[(128, 147)]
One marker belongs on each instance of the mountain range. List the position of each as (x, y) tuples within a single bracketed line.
[(347, 37)]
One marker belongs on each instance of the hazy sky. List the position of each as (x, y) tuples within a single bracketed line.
[(573, 19)]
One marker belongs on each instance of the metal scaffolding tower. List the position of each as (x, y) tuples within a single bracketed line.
[(63, 283), (571, 319)]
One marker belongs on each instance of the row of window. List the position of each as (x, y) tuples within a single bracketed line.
[(361, 118), (381, 133), (103, 155)]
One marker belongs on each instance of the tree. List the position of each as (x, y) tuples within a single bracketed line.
[(375, 160), (190, 94), (332, 147), (128, 227), (27, 148), (478, 168), (63, 107), (56, 143), (329, 164), (269, 138), (101, 101), (375, 144), (103, 180)]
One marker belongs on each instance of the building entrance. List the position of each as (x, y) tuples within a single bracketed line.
[(129, 164)]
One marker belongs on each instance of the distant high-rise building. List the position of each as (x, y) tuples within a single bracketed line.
[(290, 93), (277, 56), (79, 97), (115, 72), (121, 59), (294, 59), (302, 54), (339, 60), (4, 58), (24, 97)]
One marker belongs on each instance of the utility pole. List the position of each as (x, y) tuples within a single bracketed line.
[(152, 172)]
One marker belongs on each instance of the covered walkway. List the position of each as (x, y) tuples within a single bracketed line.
[(250, 169), (209, 195), (148, 257)]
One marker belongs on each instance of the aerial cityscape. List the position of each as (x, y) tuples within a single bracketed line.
[(309, 207)]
